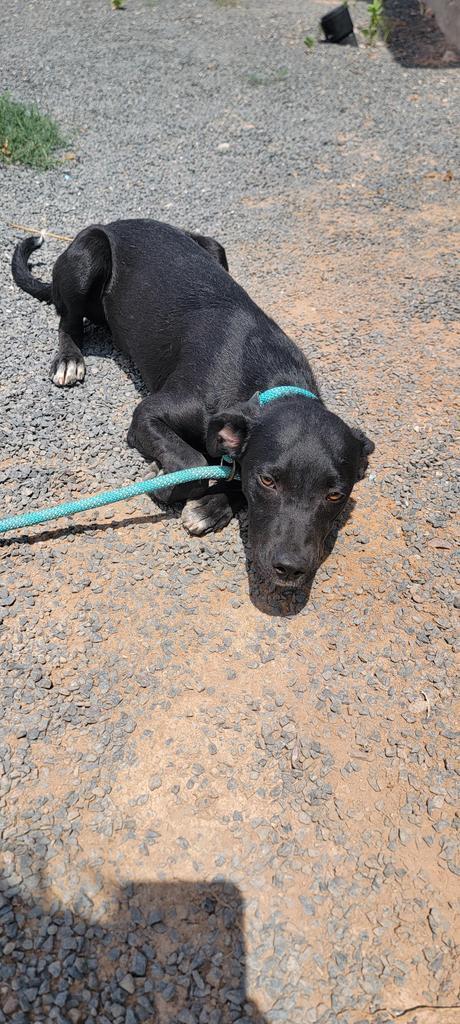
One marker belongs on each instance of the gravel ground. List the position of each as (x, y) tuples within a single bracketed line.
[(215, 810)]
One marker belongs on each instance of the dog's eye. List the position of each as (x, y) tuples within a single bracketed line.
[(267, 481), (335, 496)]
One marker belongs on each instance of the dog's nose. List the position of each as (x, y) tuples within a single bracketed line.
[(288, 568)]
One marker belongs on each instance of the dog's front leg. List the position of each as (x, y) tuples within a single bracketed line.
[(159, 444), (205, 510)]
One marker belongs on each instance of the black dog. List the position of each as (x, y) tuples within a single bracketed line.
[(206, 351)]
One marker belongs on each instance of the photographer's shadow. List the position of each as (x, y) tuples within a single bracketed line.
[(172, 953)]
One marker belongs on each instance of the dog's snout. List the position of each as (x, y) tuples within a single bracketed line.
[(289, 568)]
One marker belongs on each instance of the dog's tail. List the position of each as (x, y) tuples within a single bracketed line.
[(20, 269)]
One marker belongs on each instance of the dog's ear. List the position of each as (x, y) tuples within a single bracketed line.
[(367, 447), (228, 432)]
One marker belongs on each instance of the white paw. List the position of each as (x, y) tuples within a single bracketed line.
[(204, 515), (67, 372)]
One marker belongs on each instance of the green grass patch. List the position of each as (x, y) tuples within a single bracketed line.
[(26, 136), (267, 78), (378, 23)]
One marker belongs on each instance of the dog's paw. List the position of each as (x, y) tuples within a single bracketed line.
[(205, 515), (65, 372), (154, 470)]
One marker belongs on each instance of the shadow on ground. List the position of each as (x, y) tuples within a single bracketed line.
[(98, 342), (171, 953), (415, 39)]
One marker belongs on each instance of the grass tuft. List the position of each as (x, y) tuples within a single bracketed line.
[(26, 136), (378, 23), (267, 78)]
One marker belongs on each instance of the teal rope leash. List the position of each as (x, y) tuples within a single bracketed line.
[(182, 476), (283, 392), (70, 508)]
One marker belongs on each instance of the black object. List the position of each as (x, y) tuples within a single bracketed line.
[(337, 25)]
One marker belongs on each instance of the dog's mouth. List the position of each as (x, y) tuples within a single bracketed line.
[(298, 583)]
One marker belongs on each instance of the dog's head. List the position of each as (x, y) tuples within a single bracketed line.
[(299, 463)]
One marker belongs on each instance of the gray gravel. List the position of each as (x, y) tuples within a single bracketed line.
[(215, 809)]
